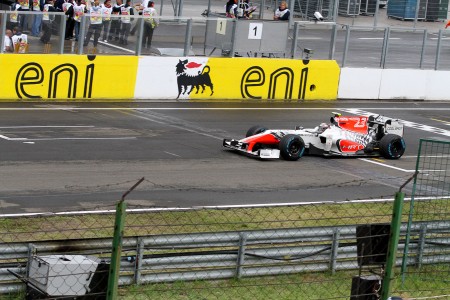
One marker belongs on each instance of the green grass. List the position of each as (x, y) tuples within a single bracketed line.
[(44, 227), (203, 220), (296, 286)]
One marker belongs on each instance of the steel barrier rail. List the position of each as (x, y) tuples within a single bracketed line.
[(182, 36), (216, 255)]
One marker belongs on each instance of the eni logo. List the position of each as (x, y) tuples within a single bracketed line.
[(255, 76), (32, 74)]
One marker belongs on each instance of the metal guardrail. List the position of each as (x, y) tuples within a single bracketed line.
[(196, 256), (383, 47)]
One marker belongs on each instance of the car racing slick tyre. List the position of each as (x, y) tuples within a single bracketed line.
[(291, 147), (392, 146), (255, 130)]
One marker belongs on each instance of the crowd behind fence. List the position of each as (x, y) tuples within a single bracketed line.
[(350, 45)]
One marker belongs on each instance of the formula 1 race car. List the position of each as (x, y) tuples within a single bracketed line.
[(343, 136)]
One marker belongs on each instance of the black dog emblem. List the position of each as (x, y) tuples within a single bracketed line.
[(186, 82)]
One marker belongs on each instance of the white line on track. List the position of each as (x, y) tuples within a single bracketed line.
[(223, 108), (112, 211), (172, 154), (380, 38), (426, 156), (385, 165), (12, 127), (397, 168)]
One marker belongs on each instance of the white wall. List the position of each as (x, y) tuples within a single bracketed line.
[(394, 84)]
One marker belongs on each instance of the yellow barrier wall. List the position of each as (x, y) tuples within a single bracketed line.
[(67, 77), (282, 79), (203, 78), (97, 78)]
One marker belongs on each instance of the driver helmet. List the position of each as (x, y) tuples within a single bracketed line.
[(323, 127)]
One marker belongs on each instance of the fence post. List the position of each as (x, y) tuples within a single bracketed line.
[(384, 50), (116, 251), (114, 268), (347, 40), (394, 238), (62, 33), (241, 254), (424, 44), (333, 43), (334, 250), (139, 257), (3, 17), (438, 50), (420, 248), (294, 40), (187, 42)]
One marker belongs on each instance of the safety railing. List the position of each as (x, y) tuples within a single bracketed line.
[(350, 46), (218, 255)]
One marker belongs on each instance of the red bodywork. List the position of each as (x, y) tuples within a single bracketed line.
[(265, 139), (356, 124)]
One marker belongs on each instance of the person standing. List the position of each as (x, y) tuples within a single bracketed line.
[(106, 10), (126, 11), (114, 31), (8, 45), (231, 9), (79, 8), (14, 18), (282, 13), (95, 26), (47, 21), (150, 23), (24, 6), (37, 7), (19, 40), (70, 22)]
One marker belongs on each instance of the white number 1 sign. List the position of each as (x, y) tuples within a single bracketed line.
[(255, 31)]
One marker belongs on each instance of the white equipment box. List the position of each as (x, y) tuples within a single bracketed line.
[(62, 275)]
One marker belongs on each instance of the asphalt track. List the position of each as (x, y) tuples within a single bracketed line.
[(84, 156)]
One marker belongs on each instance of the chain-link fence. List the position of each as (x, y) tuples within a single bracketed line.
[(426, 258), (310, 251)]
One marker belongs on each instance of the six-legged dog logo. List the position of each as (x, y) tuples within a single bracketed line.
[(188, 80)]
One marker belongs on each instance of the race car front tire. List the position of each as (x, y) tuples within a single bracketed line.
[(255, 130), (291, 147), (392, 146)]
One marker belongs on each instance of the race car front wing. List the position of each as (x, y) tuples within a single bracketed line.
[(265, 153)]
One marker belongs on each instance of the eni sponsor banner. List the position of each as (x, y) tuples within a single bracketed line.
[(203, 78), (67, 77)]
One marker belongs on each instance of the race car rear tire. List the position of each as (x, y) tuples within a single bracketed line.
[(291, 147), (255, 130), (392, 146)]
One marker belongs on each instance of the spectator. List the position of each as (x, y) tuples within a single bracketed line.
[(95, 26), (140, 8), (24, 6), (150, 23), (79, 9), (106, 10), (47, 21), (247, 9), (70, 22), (231, 9), (59, 5), (14, 18), (8, 47), (114, 31), (126, 12), (282, 13), (37, 7), (19, 40)]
